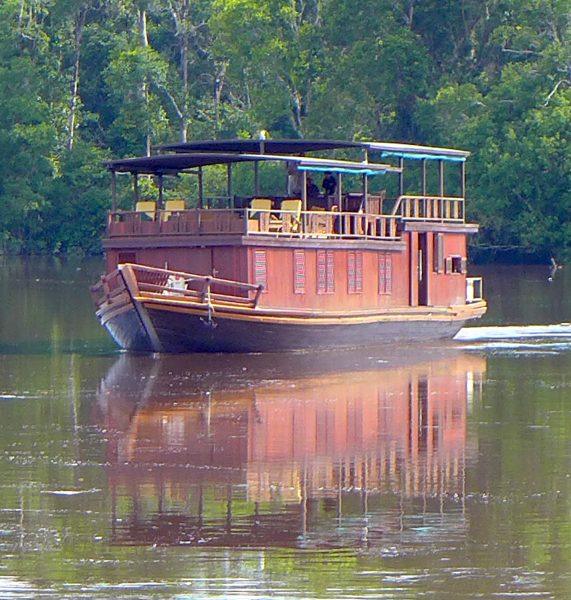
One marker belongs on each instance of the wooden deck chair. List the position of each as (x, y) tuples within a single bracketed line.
[(258, 215), (170, 206), (147, 207), (290, 217), (257, 204)]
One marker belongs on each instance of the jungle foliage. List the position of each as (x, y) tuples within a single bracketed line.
[(82, 81)]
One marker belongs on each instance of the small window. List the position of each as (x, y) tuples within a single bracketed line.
[(385, 274), (126, 257), (261, 268), (456, 264), (355, 272), (438, 253), (299, 271), (325, 272)]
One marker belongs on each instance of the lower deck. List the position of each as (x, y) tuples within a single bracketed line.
[(424, 269)]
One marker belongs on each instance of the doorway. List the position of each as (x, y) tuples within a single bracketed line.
[(423, 269)]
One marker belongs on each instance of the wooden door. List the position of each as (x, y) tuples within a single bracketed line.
[(422, 269)]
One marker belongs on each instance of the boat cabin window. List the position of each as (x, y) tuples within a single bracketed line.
[(455, 264), (126, 257), (438, 253)]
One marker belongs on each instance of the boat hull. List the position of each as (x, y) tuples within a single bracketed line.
[(173, 330)]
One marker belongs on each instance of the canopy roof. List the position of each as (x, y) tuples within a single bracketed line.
[(191, 155), (174, 163), (164, 164), (418, 152), (297, 146)]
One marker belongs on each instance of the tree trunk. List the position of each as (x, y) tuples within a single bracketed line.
[(72, 117), (144, 41)]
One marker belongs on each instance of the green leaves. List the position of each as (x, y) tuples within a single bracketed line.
[(118, 76)]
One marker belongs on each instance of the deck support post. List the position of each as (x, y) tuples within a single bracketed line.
[(229, 191), (113, 191), (256, 178), (200, 188), (160, 178), (340, 202), (136, 187), (424, 201), (304, 202)]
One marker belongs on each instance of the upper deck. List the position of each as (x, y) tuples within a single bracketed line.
[(291, 223), (300, 214)]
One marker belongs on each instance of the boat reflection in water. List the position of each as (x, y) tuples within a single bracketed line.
[(248, 454)]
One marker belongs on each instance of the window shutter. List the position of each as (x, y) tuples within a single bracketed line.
[(330, 272), (385, 274), (351, 272), (299, 271), (448, 264), (438, 253), (260, 268), (325, 272)]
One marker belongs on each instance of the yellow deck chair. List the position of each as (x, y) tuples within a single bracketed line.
[(172, 206), (290, 216), (147, 207), (259, 204)]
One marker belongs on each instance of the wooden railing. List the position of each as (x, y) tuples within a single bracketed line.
[(108, 288), (203, 289), (430, 208), (279, 223)]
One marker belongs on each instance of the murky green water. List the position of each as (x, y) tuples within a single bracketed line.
[(436, 472)]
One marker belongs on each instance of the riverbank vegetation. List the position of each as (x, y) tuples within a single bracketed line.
[(82, 81)]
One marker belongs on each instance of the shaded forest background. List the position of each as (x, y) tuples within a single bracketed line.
[(82, 81)]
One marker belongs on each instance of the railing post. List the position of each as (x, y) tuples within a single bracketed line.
[(258, 295), (206, 288)]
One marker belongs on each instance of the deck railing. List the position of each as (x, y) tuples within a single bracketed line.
[(430, 208), (277, 223), (203, 289)]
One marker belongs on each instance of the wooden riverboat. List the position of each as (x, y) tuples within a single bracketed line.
[(380, 258)]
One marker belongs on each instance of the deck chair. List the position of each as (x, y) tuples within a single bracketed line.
[(257, 204), (147, 207), (259, 214), (170, 206), (289, 220)]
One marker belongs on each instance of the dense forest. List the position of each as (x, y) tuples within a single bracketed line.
[(82, 81)]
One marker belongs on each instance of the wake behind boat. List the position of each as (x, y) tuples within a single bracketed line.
[(364, 262)]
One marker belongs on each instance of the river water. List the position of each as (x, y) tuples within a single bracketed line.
[(441, 471)]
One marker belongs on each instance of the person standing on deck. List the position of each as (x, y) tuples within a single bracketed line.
[(329, 183), (294, 180), (312, 189)]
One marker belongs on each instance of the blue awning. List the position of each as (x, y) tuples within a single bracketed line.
[(345, 170), (419, 156)]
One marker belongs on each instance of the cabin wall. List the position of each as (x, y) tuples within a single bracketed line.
[(448, 287), (226, 262), (329, 279)]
